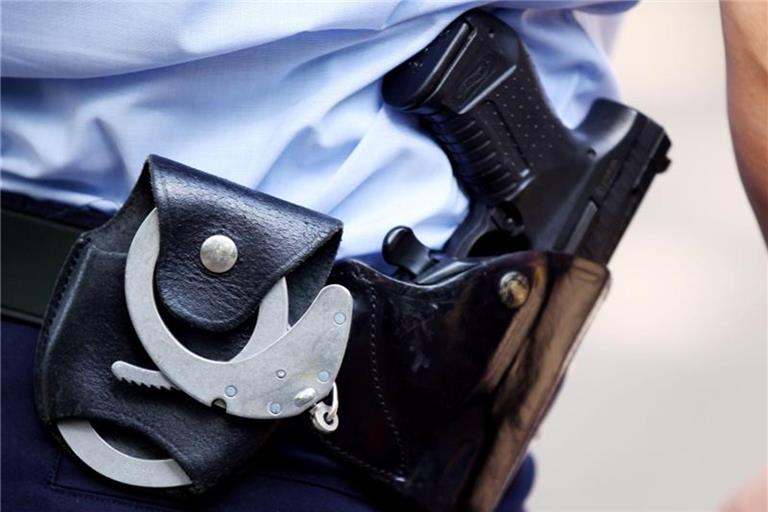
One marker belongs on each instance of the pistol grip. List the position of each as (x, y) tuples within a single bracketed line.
[(476, 91)]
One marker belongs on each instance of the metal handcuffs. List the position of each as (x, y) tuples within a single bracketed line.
[(282, 370)]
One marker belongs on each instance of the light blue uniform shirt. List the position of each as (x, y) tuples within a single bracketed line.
[(283, 97)]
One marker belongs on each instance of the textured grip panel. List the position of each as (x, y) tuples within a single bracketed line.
[(487, 108)]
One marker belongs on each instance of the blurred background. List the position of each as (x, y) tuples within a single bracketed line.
[(665, 405)]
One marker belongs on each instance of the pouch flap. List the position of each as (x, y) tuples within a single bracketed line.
[(273, 238)]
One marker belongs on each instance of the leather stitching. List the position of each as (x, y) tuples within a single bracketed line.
[(357, 460), (329, 443), (53, 308), (377, 380)]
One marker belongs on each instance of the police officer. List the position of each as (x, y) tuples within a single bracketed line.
[(280, 97)]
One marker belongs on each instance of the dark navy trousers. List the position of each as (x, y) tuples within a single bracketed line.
[(38, 475)]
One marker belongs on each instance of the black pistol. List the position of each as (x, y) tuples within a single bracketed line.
[(532, 182)]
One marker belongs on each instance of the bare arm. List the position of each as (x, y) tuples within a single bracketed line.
[(745, 29)]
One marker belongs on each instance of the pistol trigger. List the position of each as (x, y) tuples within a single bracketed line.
[(402, 249)]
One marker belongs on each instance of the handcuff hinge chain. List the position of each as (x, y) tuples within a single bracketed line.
[(325, 418)]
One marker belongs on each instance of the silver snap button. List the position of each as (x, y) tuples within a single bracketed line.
[(218, 253)]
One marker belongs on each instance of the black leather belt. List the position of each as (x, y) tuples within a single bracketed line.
[(33, 249)]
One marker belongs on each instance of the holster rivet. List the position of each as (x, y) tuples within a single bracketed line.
[(514, 289), (304, 396), (218, 253)]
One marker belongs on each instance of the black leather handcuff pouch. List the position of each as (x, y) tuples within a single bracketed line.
[(87, 327)]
